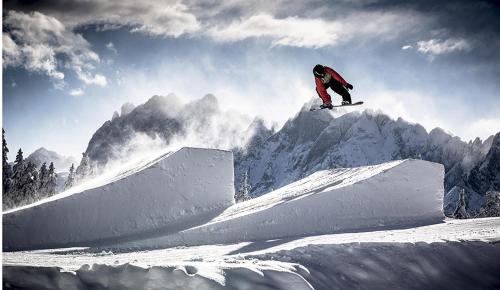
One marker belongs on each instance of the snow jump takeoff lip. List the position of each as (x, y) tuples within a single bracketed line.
[(174, 192)]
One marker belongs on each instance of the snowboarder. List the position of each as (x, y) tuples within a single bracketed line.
[(325, 78)]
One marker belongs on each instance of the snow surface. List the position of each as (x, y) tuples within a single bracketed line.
[(277, 241), (397, 193), (456, 254), (167, 194)]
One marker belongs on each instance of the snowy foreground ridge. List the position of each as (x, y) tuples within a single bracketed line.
[(171, 193)]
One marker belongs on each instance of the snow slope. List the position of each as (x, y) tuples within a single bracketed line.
[(167, 194), (456, 254), (275, 241), (398, 193)]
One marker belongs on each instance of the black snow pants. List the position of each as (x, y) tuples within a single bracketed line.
[(339, 89)]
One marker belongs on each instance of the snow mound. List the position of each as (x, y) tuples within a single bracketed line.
[(394, 194), (173, 192)]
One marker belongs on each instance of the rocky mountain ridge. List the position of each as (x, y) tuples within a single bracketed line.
[(308, 142)]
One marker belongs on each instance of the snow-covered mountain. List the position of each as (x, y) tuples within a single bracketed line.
[(167, 121), (313, 141), (308, 142), (61, 163), (485, 176)]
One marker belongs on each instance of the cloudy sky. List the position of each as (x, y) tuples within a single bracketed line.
[(68, 65)]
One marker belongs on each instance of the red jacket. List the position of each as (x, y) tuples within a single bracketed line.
[(321, 88)]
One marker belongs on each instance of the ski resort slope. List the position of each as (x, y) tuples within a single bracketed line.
[(394, 194), (160, 195)]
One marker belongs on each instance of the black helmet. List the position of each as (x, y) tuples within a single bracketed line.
[(319, 71)]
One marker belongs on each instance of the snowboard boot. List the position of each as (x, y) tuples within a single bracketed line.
[(346, 103), (326, 105)]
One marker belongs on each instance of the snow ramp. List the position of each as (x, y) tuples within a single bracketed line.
[(394, 194), (170, 193)]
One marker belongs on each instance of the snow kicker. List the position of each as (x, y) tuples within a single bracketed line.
[(173, 192), (394, 194)]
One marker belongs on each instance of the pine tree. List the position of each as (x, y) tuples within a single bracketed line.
[(51, 180), (6, 174), (460, 212), (16, 191), (84, 170), (244, 191), (491, 206), (27, 186), (43, 179), (19, 162), (71, 177)]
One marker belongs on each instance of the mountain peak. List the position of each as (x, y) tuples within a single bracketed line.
[(42, 150), (43, 155), (126, 109)]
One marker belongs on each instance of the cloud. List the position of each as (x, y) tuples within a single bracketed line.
[(76, 92), (230, 21), (11, 51), (314, 32), (89, 79), (437, 46), (111, 47), (483, 128), (406, 47), (36, 41), (36, 57), (291, 31), (166, 18), (161, 20)]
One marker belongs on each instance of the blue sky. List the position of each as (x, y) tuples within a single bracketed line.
[(68, 65)]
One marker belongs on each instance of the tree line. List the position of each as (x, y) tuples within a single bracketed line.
[(24, 183)]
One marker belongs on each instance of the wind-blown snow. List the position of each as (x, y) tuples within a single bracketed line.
[(396, 193), (170, 193)]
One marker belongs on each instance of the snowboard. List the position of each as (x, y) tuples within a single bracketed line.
[(353, 104)]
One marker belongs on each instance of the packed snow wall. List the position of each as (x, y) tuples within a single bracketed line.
[(173, 192), (394, 194)]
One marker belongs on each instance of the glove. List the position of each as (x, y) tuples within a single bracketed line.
[(349, 86)]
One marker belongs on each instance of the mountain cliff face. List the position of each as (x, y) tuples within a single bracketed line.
[(314, 141), (485, 176), (152, 118), (166, 120)]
